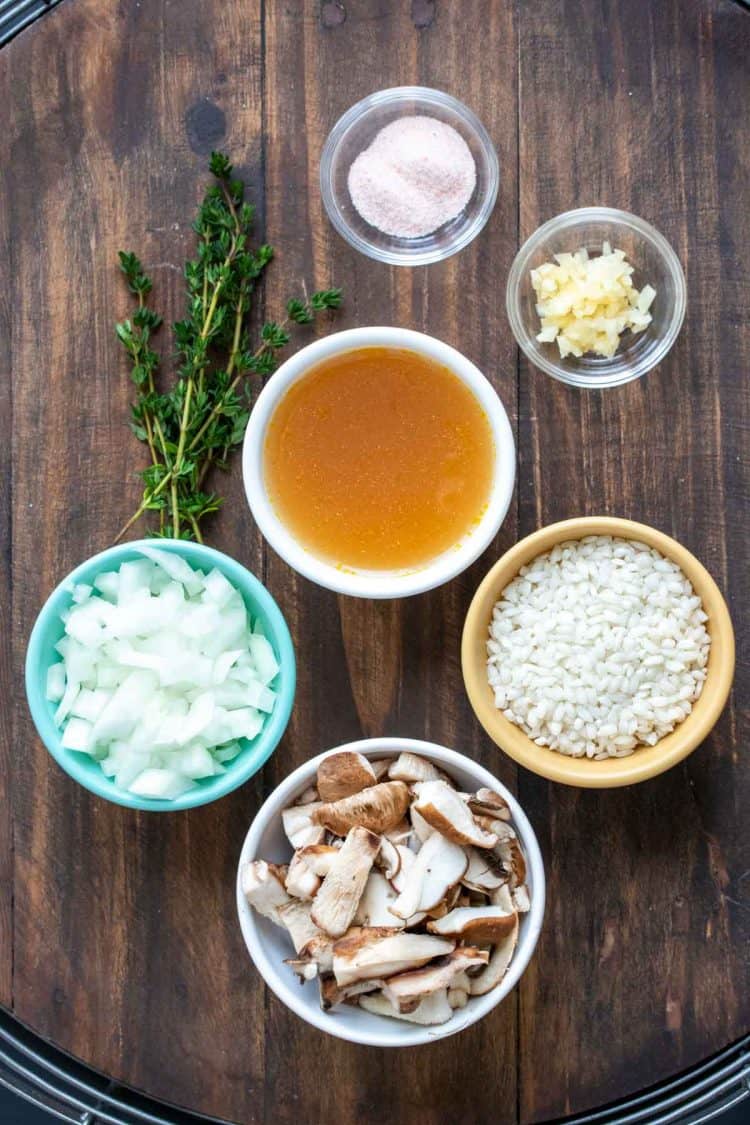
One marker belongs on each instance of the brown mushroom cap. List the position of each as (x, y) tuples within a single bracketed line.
[(341, 775), (449, 815), (411, 767), (405, 990), (486, 802), (378, 951), (497, 967), (378, 808), (475, 924), (331, 994)]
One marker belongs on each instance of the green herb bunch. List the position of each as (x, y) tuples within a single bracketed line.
[(192, 428)]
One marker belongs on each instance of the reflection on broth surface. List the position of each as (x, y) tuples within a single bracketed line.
[(379, 458)]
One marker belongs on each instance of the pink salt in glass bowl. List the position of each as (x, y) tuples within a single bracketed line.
[(356, 130)]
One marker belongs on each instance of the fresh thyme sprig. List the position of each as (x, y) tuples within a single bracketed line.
[(194, 426)]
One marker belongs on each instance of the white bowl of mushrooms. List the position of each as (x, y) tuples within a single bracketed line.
[(391, 892)]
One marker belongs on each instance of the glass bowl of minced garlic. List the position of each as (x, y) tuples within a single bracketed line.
[(596, 297)]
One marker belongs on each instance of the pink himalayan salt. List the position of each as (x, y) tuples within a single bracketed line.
[(417, 174)]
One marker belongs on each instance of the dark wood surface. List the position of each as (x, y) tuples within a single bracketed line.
[(118, 938)]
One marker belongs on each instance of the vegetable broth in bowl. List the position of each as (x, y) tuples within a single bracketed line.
[(379, 458), (379, 462)]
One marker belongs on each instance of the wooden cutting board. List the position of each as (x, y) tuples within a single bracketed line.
[(118, 937)]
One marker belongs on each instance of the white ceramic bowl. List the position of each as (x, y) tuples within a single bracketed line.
[(378, 583), (269, 946)]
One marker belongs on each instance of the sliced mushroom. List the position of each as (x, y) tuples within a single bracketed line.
[(512, 856), (458, 998), (486, 802), (338, 898), (410, 767), (369, 952), (301, 881), (340, 775), (521, 900), (475, 923), (422, 830), (377, 896), (495, 826), (503, 897), (378, 808), (380, 767), (331, 994), (401, 833), (407, 989), (438, 867), (295, 917), (408, 859), (299, 827), (305, 970), (263, 887), (389, 858), (500, 957), (308, 797), (451, 899), (485, 872), (444, 810), (434, 1009), (318, 951), (508, 849), (318, 857)]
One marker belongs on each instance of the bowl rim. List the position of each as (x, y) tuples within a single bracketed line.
[(646, 762), (247, 764), (536, 355), (437, 99), (410, 1035), (379, 584)]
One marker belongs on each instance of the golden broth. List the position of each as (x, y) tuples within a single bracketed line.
[(379, 458)]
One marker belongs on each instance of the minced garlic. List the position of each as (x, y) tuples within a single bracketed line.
[(586, 304)]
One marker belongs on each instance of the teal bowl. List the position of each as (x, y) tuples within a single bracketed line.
[(48, 629)]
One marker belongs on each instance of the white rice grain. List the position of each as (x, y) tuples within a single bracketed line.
[(597, 647)]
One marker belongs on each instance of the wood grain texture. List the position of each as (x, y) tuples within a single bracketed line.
[(653, 963), (125, 948), (382, 668), (6, 549)]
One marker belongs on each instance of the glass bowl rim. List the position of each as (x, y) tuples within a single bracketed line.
[(568, 220), (393, 96)]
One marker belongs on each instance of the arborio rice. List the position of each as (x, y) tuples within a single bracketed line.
[(597, 647)]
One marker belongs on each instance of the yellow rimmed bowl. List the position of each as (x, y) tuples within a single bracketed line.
[(647, 761)]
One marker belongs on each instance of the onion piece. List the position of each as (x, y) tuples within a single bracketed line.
[(161, 674)]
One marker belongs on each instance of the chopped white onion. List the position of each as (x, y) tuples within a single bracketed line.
[(161, 674)]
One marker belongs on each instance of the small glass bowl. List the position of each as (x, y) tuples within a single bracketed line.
[(655, 263), (357, 129)]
